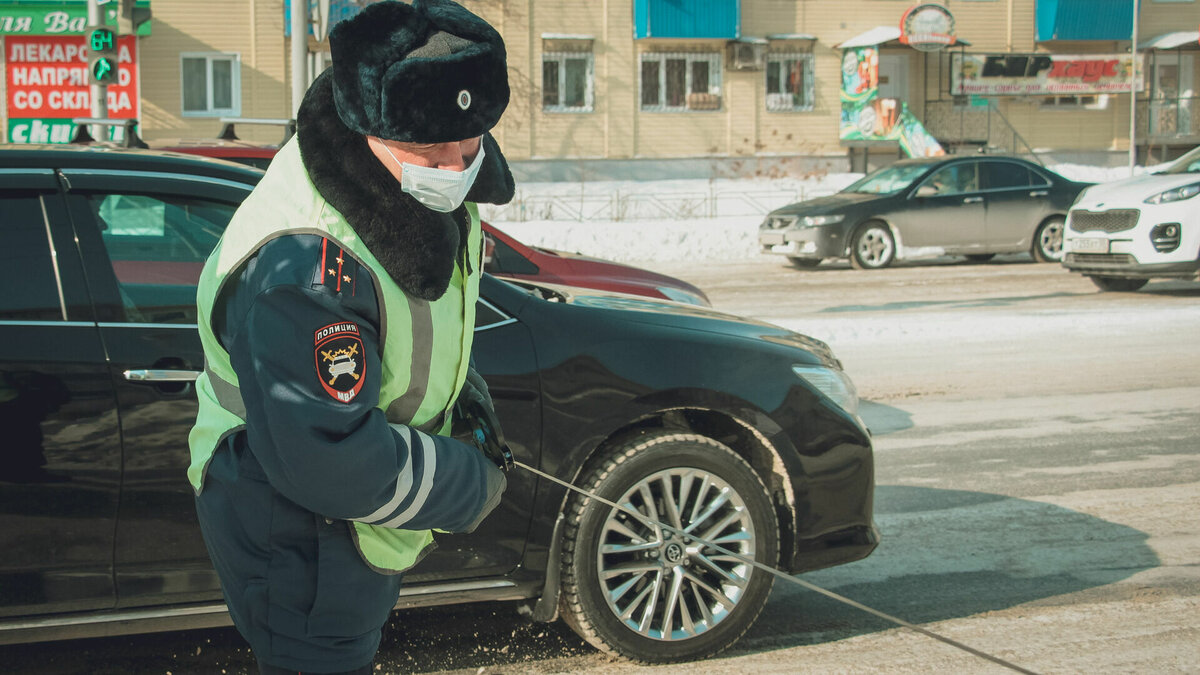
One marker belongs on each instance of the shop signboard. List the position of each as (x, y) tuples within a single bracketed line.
[(47, 78), (56, 17), (1042, 74), (927, 27)]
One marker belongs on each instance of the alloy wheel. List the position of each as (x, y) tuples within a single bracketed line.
[(1049, 245), (873, 248), (667, 586)]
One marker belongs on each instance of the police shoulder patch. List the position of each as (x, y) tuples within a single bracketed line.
[(340, 359), (336, 271)]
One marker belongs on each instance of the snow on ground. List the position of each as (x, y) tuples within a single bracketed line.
[(996, 327), (676, 220)]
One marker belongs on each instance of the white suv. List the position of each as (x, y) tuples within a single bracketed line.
[(1124, 233)]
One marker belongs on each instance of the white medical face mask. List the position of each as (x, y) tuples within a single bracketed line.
[(438, 189)]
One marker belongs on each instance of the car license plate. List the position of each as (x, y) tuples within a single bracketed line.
[(771, 238), (1090, 245), (790, 247)]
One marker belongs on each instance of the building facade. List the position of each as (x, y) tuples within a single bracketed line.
[(706, 85)]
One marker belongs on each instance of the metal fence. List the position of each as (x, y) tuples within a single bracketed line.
[(622, 205), (1160, 121), (982, 127)]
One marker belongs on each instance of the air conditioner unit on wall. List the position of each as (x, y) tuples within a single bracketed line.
[(747, 56)]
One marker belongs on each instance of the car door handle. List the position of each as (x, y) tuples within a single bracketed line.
[(151, 375), (972, 200), (1039, 193)]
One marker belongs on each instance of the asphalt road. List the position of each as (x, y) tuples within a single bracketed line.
[(1038, 471), (1037, 461)]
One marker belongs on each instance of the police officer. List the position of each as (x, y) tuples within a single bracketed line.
[(336, 315)]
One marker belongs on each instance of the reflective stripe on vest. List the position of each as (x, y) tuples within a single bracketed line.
[(405, 407), (228, 395), (425, 345)]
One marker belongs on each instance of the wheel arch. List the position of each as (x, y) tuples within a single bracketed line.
[(1049, 217), (851, 233), (1031, 246), (723, 426)]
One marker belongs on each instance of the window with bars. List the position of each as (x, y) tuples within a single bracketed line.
[(1081, 102), (567, 82), (680, 82), (789, 82), (211, 85)]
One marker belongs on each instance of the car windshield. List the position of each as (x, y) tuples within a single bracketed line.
[(888, 180), (1189, 163)]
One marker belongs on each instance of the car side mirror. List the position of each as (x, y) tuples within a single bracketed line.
[(926, 191), (489, 249)]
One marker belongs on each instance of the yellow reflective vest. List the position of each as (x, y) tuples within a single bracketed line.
[(426, 344)]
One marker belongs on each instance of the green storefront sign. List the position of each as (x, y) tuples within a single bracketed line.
[(66, 17), (49, 130)]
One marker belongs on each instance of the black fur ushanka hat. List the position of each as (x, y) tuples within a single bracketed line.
[(429, 72)]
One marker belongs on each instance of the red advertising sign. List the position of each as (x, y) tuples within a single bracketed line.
[(47, 79)]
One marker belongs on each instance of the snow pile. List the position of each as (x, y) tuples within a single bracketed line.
[(1101, 174), (676, 220), (723, 238)]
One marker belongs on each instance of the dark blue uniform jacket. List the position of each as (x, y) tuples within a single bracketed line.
[(278, 493)]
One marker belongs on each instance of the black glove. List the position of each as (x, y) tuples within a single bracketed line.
[(475, 422)]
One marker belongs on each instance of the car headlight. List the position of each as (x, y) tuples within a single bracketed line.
[(834, 384), (1175, 194), (774, 222), (812, 221)]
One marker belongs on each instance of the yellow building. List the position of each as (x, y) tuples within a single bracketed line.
[(703, 86)]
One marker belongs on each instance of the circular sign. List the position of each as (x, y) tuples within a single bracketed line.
[(927, 27), (866, 121), (849, 64)]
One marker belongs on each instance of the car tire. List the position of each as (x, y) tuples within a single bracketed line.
[(980, 257), (1118, 284), (644, 614), (804, 263), (872, 247), (1048, 240)]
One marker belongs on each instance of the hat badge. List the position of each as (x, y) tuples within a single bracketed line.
[(464, 99)]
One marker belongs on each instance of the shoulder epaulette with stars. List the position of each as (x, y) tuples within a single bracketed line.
[(338, 270)]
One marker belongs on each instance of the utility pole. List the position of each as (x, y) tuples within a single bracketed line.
[(1133, 74), (300, 13)]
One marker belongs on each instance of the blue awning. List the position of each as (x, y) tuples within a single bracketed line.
[(339, 10), (687, 19), (1084, 20)]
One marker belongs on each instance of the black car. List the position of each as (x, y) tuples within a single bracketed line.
[(919, 208), (744, 434)]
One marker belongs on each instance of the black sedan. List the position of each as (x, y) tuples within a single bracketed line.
[(921, 208), (740, 433)]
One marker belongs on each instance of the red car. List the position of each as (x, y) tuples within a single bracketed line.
[(508, 258), (505, 257), (228, 146), (242, 152)]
